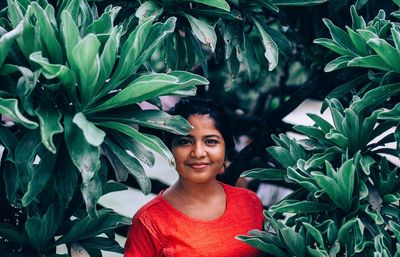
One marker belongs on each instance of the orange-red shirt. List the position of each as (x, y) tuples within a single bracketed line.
[(160, 230)]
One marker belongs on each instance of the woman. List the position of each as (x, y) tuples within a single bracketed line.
[(198, 215)]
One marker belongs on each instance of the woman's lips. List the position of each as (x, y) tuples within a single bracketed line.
[(198, 165)]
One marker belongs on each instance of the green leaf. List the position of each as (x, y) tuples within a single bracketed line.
[(49, 120), (150, 86), (70, 36), (345, 180), (338, 63), (347, 230), (372, 61), (359, 43), (102, 243), (358, 21), (108, 57), (331, 188), (315, 233), (151, 142), (295, 206), (10, 108), (393, 114), (52, 71), (309, 131), (340, 37), (9, 141), (93, 134), (155, 119), (389, 54), (373, 98), (41, 230), (89, 227), (120, 159), (248, 57), (50, 45), (11, 233), (264, 174), (104, 24), (220, 4), (86, 57), (91, 193), (203, 31), (297, 2), (137, 148), (112, 186), (332, 45), (85, 156), (281, 155), (7, 41), (303, 179), (271, 49), (294, 241), (396, 38), (65, 180), (320, 122), (129, 53), (147, 10), (265, 247), (268, 4), (344, 89)]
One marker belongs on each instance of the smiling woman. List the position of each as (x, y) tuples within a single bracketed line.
[(197, 215)]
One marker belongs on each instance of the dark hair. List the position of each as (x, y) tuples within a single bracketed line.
[(204, 106)]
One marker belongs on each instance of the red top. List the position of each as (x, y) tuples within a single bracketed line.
[(159, 229)]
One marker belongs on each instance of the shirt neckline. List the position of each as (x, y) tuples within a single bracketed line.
[(222, 216)]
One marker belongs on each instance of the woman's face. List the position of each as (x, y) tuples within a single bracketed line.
[(200, 155)]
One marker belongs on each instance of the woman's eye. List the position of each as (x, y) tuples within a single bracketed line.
[(211, 142), (183, 141)]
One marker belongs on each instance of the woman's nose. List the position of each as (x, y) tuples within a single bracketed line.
[(198, 151)]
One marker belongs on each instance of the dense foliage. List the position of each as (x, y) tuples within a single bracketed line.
[(346, 201), (74, 72), (71, 82)]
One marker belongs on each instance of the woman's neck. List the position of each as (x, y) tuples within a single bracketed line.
[(192, 191)]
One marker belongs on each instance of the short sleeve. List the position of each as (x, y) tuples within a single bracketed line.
[(141, 240), (258, 207)]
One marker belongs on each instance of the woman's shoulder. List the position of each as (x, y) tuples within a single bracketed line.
[(151, 209), (240, 191)]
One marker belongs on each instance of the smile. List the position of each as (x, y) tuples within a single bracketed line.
[(197, 165)]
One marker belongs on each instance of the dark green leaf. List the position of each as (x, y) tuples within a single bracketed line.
[(11, 233), (7, 41), (203, 31), (137, 148), (297, 2), (271, 49), (85, 156), (151, 142), (86, 58), (295, 206), (40, 175), (10, 108), (338, 63), (264, 174), (294, 241), (49, 120), (122, 160), (372, 61), (51, 46), (282, 155), (102, 243), (373, 98), (88, 227), (265, 247), (93, 134)]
